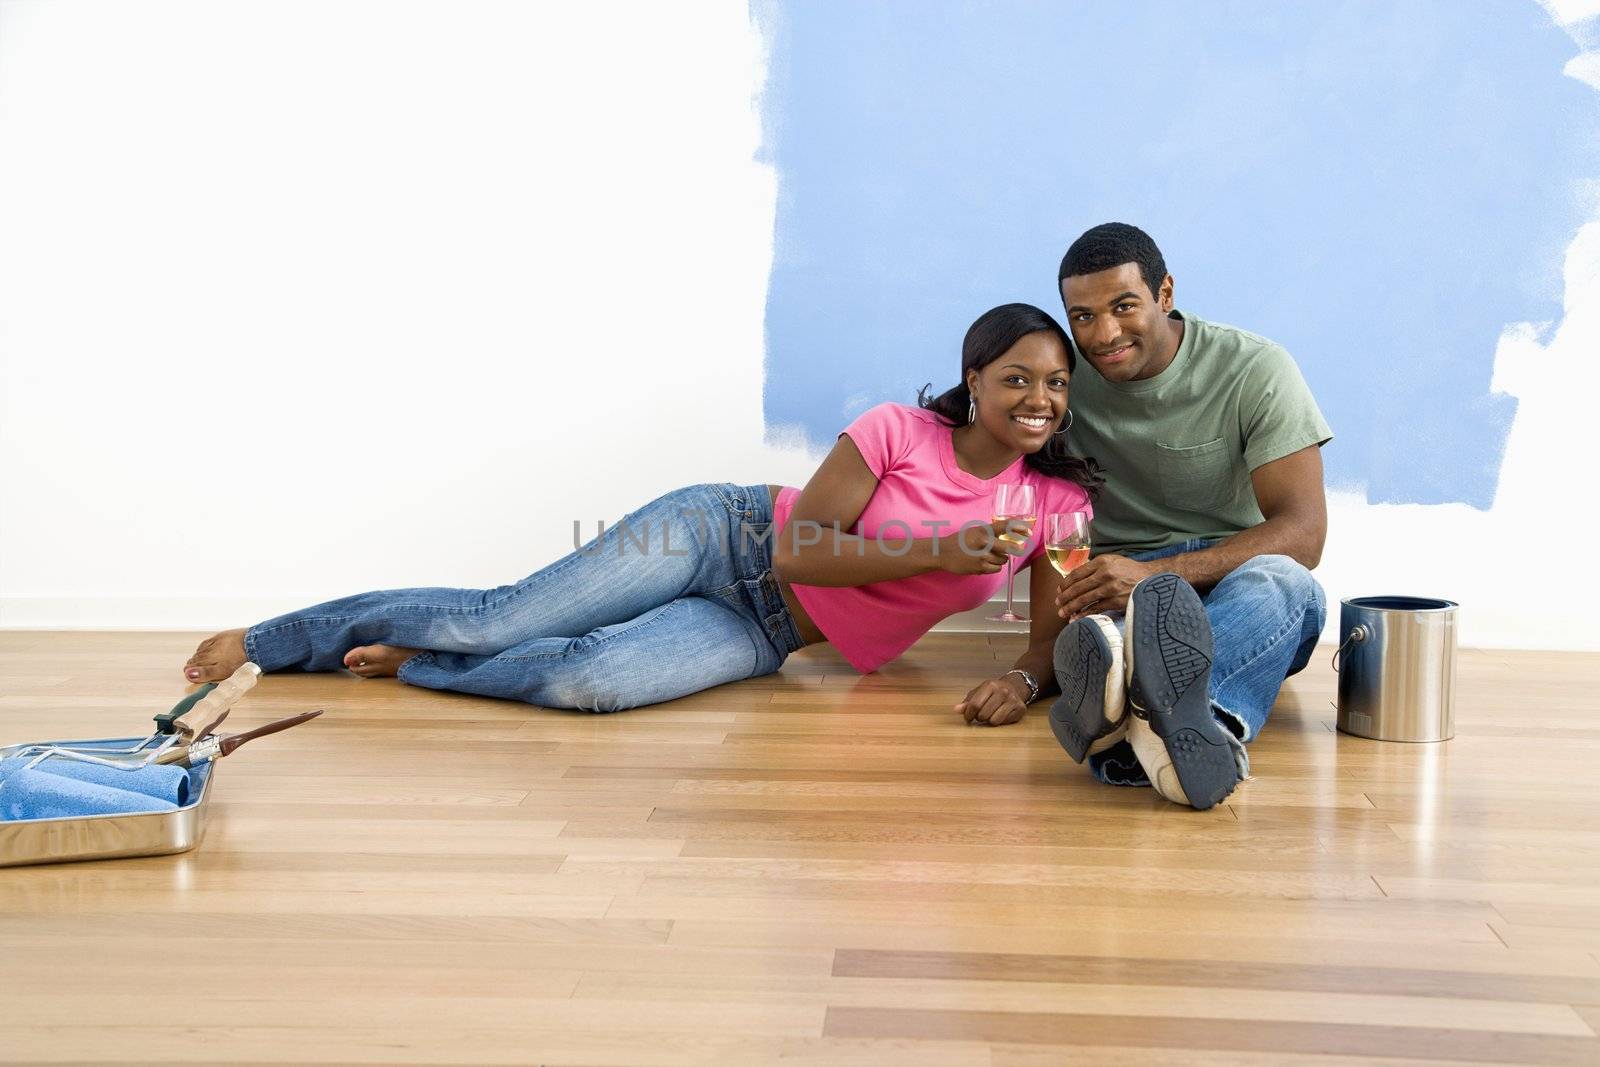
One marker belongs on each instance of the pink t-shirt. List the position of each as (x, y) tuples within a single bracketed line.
[(912, 454)]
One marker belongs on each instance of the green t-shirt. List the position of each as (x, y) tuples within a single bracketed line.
[(1177, 449)]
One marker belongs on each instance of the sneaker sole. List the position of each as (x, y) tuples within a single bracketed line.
[(1083, 665), (1170, 652)]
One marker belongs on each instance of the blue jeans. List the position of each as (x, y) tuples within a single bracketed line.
[(678, 597), (1265, 619)]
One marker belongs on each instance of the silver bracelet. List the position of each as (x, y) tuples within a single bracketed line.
[(1033, 686)]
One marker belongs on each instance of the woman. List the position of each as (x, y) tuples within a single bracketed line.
[(714, 583)]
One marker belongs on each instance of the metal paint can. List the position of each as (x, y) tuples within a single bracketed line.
[(1397, 668)]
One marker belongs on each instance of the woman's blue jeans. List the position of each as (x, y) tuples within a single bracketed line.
[(678, 597), (1265, 619)]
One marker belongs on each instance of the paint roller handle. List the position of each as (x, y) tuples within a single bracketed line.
[(166, 722), (220, 699)]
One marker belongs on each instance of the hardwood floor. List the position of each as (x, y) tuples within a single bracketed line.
[(814, 868)]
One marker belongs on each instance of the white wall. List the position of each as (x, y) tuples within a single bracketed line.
[(298, 299), (303, 298)]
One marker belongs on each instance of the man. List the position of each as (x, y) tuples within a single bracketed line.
[(1213, 516)]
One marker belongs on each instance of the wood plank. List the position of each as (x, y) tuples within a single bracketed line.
[(1204, 974), (1392, 1042)]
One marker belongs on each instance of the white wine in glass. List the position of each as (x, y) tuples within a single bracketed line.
[(1066, 540), (1012, 503)]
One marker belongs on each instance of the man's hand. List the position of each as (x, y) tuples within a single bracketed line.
[(1103, 584), (996, 701)]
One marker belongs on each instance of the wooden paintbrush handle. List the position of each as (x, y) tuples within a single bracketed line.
[(233, 741)]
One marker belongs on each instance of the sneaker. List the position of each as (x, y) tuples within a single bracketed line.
[(1187, 754), (1088, 716)]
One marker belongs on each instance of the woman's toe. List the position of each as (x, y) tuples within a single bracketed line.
[(203, 671)]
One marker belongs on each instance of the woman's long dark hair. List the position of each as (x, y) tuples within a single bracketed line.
[(987, 340)]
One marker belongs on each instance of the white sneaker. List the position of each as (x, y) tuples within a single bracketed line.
[(1189, 757), (1089, 715)]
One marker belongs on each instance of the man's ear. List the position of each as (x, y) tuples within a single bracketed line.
[(1164, 297)]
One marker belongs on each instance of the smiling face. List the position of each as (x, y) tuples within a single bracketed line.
[(1022, 395), (1119, 325)]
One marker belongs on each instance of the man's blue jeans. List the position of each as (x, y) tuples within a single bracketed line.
[(678, 597), (1265, 619)]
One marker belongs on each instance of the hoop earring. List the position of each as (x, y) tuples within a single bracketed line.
[(1065, 426), (972, 410)]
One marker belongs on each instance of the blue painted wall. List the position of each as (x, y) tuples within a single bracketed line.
[(1379, 187)]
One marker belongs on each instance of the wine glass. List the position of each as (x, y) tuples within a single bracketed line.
[(1066, 540), (1012, 502)]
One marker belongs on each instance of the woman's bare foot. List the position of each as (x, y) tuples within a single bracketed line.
[(378, 661), (217, 657)]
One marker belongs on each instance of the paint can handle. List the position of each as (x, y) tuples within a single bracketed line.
[(1357, 635)]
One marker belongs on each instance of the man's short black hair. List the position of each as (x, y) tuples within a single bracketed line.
[(1111, 244)]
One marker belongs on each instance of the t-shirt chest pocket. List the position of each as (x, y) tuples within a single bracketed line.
[(1195, 477)]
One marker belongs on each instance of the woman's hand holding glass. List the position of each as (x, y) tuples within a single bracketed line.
[(983, 549)]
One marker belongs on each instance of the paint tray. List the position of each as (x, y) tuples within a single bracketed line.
[(104, 837)]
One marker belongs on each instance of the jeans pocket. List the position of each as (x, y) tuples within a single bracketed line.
[(769, 610), (1195, 477), (747, 598), (736, 499)]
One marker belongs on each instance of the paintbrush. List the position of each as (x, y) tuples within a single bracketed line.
[(214, 748)]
